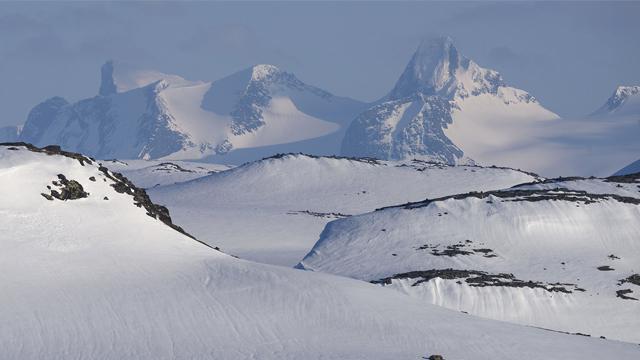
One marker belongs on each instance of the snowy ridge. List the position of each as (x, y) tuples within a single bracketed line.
[(98, 278), (444, 106), (273, 210), (153, 173), (556, 254), (151, 115)]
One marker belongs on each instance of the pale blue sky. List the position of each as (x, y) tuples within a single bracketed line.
[(569, 55)]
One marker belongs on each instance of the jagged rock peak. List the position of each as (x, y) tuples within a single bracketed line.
[(438, 68), (107, 83), (621, 94), (264, 71)]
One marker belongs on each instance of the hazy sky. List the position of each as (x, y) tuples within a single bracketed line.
[(570, 55)]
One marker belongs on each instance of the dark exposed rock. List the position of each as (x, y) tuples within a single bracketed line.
[(330, 215), (605, 268), (633, 279), (462, 248), (52, 150), (105, 198), (47, 196), (169, 166), (532, 195), (613, 257), (92, 178), (141, 199), (367, 160), (435, 357), (629, 178), (623, 294), (477, 279), (67, 190)]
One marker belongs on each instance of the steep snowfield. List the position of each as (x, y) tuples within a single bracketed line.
[(151, 173), (150, 115), (553, 255), (99, 279), (274, 209), (485, 125)]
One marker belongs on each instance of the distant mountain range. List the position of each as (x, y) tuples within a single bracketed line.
[(444, 107), (150, 115)]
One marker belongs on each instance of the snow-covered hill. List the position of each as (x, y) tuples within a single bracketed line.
[(94, 276), (444, 107), (151, 115), (561, 254), (152, 173), (273, 210)]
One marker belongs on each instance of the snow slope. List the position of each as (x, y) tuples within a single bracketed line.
[(273, 210), (99, 279), (553, 254), (150, 115), (446, 107)]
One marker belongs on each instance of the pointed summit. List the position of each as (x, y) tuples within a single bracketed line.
[(437, 68), (107, 83), (625, 100)]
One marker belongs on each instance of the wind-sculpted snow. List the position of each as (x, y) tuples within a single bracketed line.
[(549, 254), (96, 277), (268, 210)]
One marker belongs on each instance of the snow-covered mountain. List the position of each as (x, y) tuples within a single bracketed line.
[(561, 254), (90, 268), (444, 107), (273, 210), (624, 101), (147, 114)]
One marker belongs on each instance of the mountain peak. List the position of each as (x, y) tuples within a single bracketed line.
[(107, 83), (438, 68), (263, 71), (118, 77), (621, 96)]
